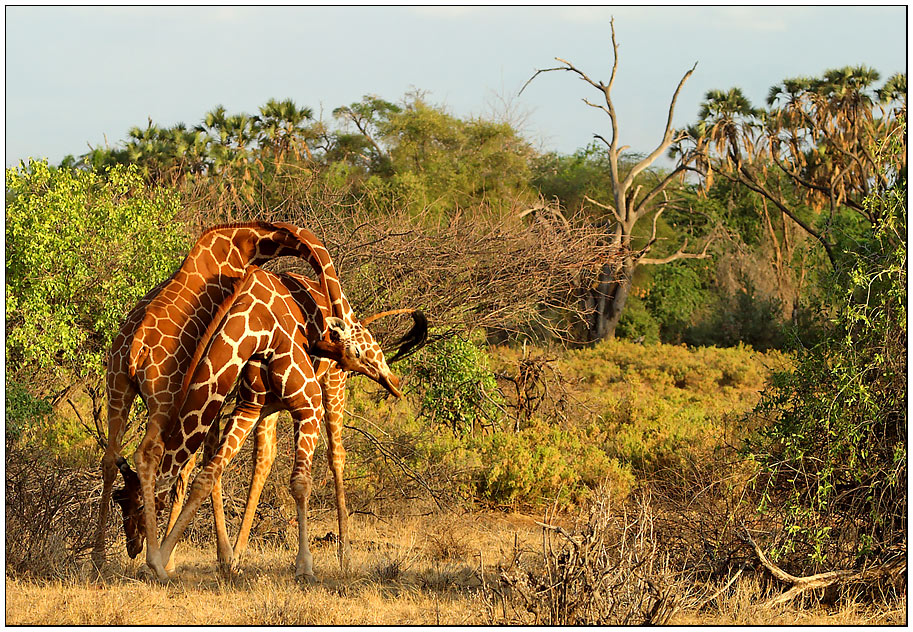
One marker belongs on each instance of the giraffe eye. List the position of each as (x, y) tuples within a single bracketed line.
[(357, 353)]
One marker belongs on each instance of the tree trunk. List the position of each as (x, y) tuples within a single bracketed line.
[(609, 298)]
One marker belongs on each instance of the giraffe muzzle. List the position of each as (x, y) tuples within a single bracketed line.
[(391, 383)]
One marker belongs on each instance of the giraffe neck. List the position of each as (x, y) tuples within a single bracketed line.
[(227, 346), (220, 257)]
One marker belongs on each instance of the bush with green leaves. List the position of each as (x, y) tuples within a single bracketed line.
[(23, 409), (638, 323), (458, 389), (544, 463), (834, 454), (81, 248)]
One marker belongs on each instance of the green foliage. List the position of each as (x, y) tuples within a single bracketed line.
[(569, 178), (81, 248), (834, 450), (443, 162), (630, 411), (457, 387), (675, 294), (745, 318), (544, 463), (23, 410), (637, 322)]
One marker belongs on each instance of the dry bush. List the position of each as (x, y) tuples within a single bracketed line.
[(608, 572), (472, 268), (50, 513), (703, 505)]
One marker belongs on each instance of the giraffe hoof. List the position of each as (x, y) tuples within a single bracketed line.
[(149, 574), (306, 579)]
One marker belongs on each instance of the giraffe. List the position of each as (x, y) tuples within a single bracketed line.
[(261, 322), (153, 347), (332, 378)]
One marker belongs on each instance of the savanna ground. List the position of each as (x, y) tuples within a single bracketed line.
[(447, 527), (413, 570)]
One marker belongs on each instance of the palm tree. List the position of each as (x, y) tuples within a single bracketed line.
[(818, 133), (280, 127)]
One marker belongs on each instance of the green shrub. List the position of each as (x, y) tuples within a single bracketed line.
[(745, 318), (23, 410), (457, 387), (544, 463), (674, 295), (637, 322), (81, 248), (833, 450)]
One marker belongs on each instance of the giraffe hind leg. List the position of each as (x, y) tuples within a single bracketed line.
[(203, 484), (264, 455)]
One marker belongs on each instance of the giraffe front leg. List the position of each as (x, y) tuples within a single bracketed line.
[(264, 455), (120, 400), (235, 433), (148, 456), (301, 482), (108, 474), (223, 548), (334, 392), (177, 501)]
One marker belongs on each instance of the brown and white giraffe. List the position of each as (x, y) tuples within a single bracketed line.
[(150, 354), (332, 378), (261, 322)]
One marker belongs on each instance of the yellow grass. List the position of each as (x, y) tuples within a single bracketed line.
[(406, 570)]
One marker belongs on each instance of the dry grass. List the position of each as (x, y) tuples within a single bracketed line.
[(406, 570), (742, 604)]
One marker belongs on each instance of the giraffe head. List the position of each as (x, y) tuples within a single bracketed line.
[(360, 353), (130, 499)]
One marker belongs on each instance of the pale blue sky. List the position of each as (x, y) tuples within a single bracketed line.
[(77, 74)]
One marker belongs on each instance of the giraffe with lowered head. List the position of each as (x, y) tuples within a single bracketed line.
[(260, 322), (150, 353), (259, 402)]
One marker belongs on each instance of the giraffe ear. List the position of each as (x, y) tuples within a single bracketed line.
[(337, 328)]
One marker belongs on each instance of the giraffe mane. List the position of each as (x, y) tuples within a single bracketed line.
[(327, 271), (232, 225), (315, 289)]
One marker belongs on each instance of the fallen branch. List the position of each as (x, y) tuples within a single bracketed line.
[(798, 585)]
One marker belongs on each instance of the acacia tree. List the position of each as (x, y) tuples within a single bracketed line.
[(630, 205), (363, 147)]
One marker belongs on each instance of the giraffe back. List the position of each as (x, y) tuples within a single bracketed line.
[(160, 335)]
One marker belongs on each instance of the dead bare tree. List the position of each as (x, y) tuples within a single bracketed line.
[(609, 294), (888, 571)]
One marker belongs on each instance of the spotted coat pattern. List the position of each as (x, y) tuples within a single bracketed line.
[(151, 351), (263, 338)]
